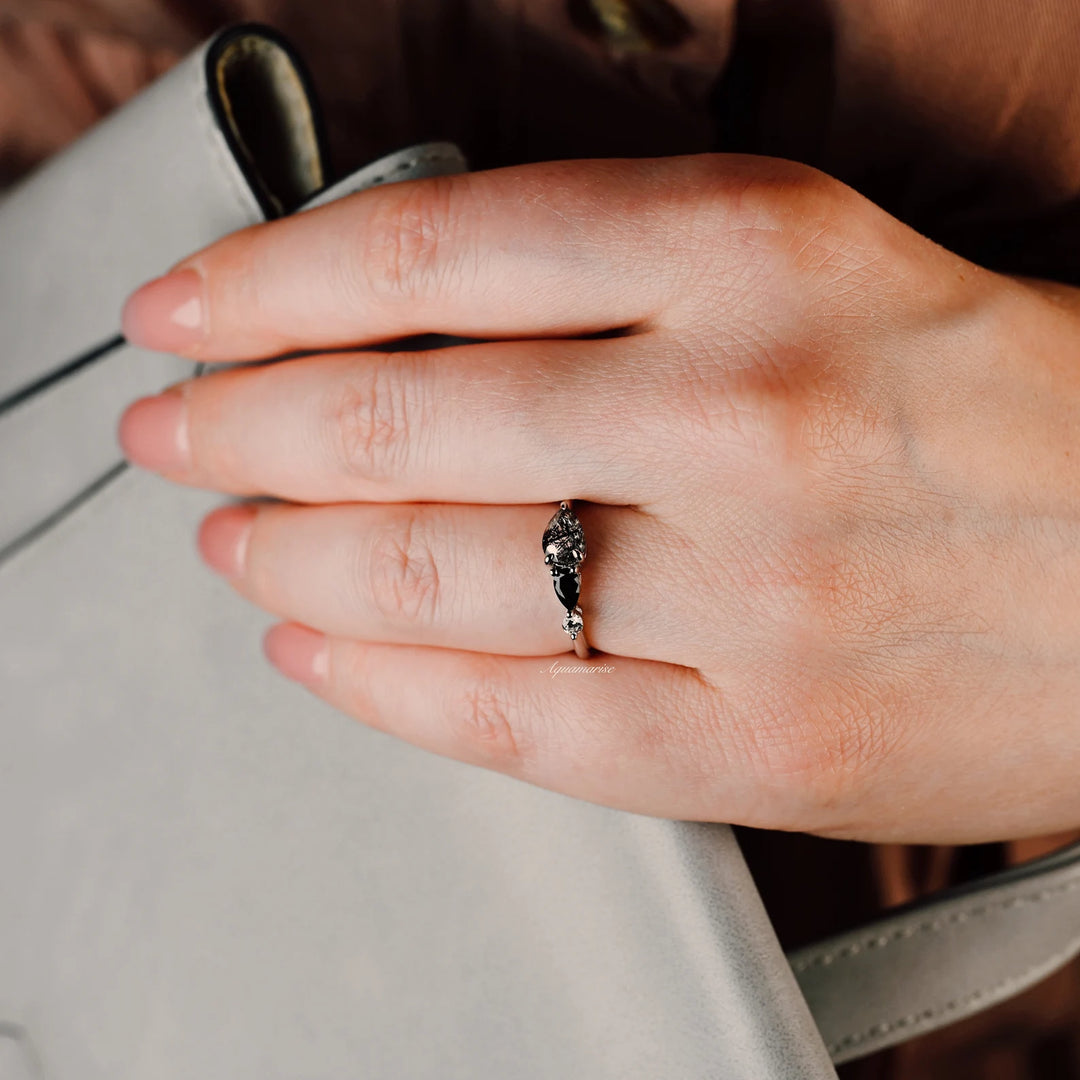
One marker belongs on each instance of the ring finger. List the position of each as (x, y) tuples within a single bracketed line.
[(467, 577)]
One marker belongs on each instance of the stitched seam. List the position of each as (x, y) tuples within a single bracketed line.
[(986, 995), (430, 157), (931, 926)]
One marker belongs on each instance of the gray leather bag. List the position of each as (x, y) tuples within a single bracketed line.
[(207, 872)]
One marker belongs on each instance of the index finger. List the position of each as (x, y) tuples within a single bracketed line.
[(554, 249)]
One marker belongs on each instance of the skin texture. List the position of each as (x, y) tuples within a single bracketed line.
[(826, 469)]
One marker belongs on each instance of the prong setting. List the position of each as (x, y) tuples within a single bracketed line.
[(564, 548)]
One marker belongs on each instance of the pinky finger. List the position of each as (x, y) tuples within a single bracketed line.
[(626, 733)]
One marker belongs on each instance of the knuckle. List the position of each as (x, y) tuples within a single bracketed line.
[(791, 200), (742, 423), (824, 237), (484, 721), (368, 422), (796, 408), (791, 426), (776, 238), (403, 246), (401, 575), (760, 428), (788, 223)]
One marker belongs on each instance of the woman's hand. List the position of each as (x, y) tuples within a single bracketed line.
[(827, 472)]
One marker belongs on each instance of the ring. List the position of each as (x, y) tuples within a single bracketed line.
[(564, 549)]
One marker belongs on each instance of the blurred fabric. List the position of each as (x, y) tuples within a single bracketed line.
[(960, 117)]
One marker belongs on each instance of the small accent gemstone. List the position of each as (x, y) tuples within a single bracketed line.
[(573, 624), (568, 589)]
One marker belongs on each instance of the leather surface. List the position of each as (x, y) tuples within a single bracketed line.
[(938, 961), (177, 180), (204, 870), (74, 248), (151, 183)]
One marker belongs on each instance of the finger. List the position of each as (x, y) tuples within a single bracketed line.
[(495, 423), (558, 248), (630, 734), (464, 577)]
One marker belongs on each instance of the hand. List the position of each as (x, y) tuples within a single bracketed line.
[(826, 470)]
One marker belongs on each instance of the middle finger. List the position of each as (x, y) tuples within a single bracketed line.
[(502, 423)]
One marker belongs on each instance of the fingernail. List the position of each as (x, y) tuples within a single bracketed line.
[(297, 652), (223, 538), (167, 314), (153, 432)]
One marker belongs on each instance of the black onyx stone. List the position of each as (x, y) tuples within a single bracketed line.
[(568, 589)]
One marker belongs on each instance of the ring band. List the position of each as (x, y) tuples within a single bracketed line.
[(564, 549)]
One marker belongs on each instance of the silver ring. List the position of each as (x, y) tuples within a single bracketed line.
[(564, 549)]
